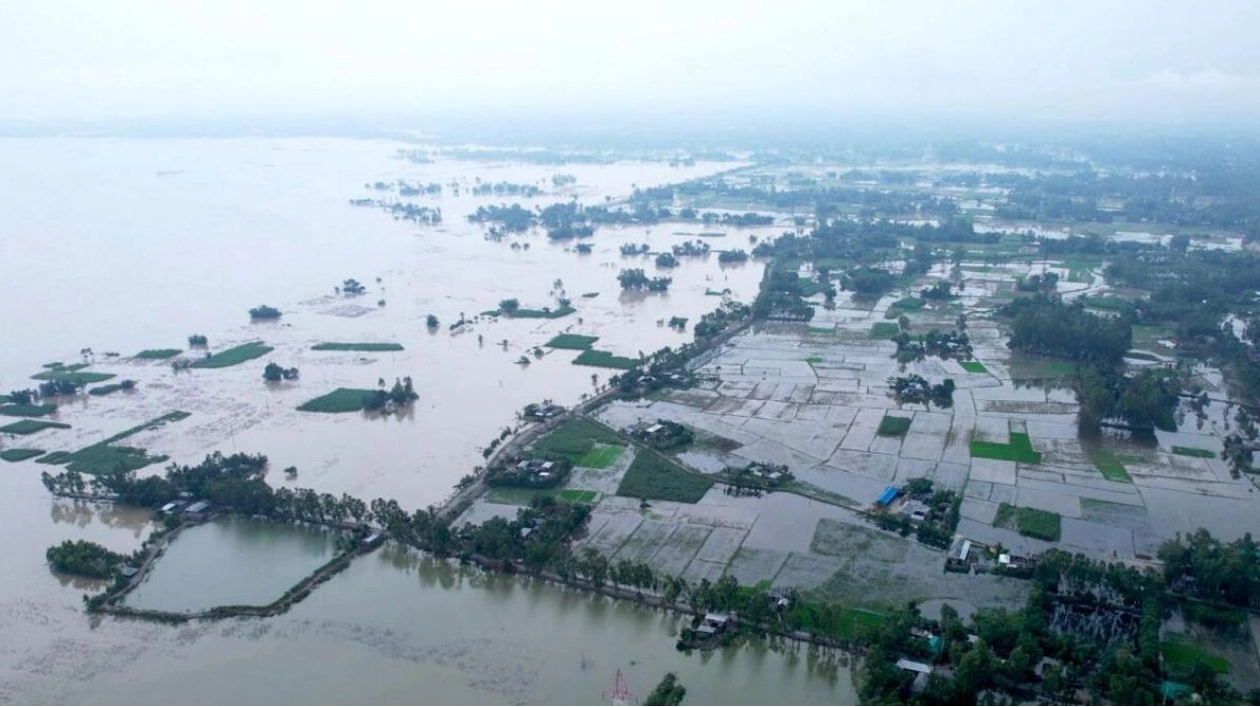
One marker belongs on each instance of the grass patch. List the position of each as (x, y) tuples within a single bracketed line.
[(54, 458), (105, 389), (575, 440), (330, 346), (973, 367), (340, 400), (102, 458), (814, 360), (541, 313), (1109, 464), (589, 295), (884, 330), (652, 477), (1181, 656), (577, 342), (604, 359), (1041, 368), (77, 377), (856, 623), (1188, 452), (159, 354), (18, 455), (893, 426), (1108, 303), (601, 456), (16, 410), (577, 496), (903, 305), (1030, 522), (234, 355), (1019, 449), (30, 427), (1145, 336)]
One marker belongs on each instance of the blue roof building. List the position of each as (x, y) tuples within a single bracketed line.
[(888, 496)]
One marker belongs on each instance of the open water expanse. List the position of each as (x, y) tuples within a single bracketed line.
[(119, 245)]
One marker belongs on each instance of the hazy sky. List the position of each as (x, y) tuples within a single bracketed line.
[(101, 59)]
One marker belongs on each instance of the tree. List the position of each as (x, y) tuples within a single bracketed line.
[(667, 692), (431, 321), (509, 306)]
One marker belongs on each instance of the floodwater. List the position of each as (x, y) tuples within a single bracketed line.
[(396, 628), (231, 561), (126, 245)]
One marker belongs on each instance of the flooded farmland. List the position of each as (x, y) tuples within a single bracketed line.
[(172, 238)]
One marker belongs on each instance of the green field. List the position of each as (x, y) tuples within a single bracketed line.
[(102, 458), (893, 426), (340, 400), (576, 439), (15, 410), (604, 359), (884, 330), (601, 456), (577, 496), (331, 346), (1108, 303), (29, 427), (76, 377), (1110, 465), (577, 342), (1031, 522), (1181, 656), (1145, 336), (17, 455), (1194, 452), (652, 477), (159, 354), (855, 623), (105, 389), (54, 458), (540, 314), (233, 356), (1019, 449), (1024, 368), (973, 367)]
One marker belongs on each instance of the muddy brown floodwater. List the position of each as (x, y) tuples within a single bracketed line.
[(123, 245)]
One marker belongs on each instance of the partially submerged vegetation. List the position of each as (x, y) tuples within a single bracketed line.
[(18, 454), (652, 476), (29, 427), (161, 354), (368, 347), (233, 356)]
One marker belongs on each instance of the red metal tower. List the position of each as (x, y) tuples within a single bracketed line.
[(619, 693)]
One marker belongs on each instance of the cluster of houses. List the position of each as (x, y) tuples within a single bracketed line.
[(966, 555), (539, 470), (546, 410), (194, 510)]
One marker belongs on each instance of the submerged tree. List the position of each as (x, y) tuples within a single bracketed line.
[(667, 692)]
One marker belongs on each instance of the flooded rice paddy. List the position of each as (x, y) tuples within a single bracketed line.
[(122, 246)]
